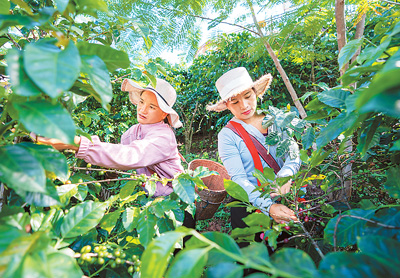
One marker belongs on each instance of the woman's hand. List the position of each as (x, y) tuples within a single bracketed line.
[(281, 213), (55, 143), (283, 190)]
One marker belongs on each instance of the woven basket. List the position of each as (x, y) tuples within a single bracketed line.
[(212, 197)]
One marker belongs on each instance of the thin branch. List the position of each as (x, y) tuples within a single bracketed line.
[(390, 2), (312, 241), (205, 18), (14, 43)]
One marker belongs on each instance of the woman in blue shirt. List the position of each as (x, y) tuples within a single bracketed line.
[(239, 94)]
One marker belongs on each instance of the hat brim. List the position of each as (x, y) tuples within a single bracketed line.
[(260, 86), (135, 90)]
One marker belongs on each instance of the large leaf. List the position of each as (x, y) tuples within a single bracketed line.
[(99, 77), (12, 259), (21, 83), (383, 81), (334, 98), (335, 127), (257, 252), (352, 265), (146, 227), (188, 264), (66, 191), (7, 235), (52, 160), (47, 199), (4, 7), (383, 249), (308, 138), (130, 218), (82, 218), (20, 170), (50, 68), (47, 119), (236, 191), (159, 250), (62, 265), (108, 221), (184, 188), (225, 270), (368, 137), (392, 184), (348, 228), (385, 216), (113, 58), (348, 51), (301, 265), (385, 103)]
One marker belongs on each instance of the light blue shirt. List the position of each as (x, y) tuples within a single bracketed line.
[(240, 165)]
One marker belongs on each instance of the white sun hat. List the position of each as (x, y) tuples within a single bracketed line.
[(236, 81), (164, 92)]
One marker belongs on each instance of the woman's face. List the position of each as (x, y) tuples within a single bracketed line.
[(148, 111), (243, 106)]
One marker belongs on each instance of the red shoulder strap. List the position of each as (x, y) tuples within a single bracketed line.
[(250, 145), (259, 147)]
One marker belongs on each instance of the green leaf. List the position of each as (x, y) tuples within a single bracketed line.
[(352, 265), (13, 20), (236, 191), (257, 173), (23, 5), (159, 251), (348, 229), (368, 137), (316, 157), (383, 249), (257, 252), (184, 188), (66, 191), (47, 199), (283, 119), (47, 120), (188, 264), (348, 51), (99, 77), (385, 103), (283, 147), (113, 58), (146, 227), (301, 265), (12, 259), (52, 160), (151, 68), (108, 221), (4, 7), (60, 265), (20, 170), (7, 235), (308, 138), (225, 270), (272, 138), (130, 218), (335, 127), (128, 189), (82, 218), (51, 69), (257, 219), (327, 208), (392, 184), (21, 83), (334, 98)]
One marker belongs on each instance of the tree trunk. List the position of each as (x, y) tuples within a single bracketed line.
[(341, 40), (278, 65), (359, 33), (341, 28)]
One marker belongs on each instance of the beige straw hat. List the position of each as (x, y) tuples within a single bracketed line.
[(236, 81), (164, 92)]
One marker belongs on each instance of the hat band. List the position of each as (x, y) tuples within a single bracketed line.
[(152, 89)]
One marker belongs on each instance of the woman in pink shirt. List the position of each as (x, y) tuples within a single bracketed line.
[(149, 146)]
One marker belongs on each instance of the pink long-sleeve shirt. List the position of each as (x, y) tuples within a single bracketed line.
[(147, 148)]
